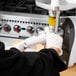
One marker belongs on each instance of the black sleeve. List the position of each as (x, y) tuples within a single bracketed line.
[(45, 63)]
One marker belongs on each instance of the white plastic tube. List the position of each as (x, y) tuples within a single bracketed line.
[(34, 40)]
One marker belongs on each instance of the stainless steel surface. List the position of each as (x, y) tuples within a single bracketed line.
[(7, 41), (20, 24)]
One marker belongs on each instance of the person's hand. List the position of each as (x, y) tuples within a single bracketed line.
[(29, 43), (34, 48), (16, 44), (30, 49), (54, 41)]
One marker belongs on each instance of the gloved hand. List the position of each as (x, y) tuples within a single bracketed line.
[(54, 41), (34, 48), (27, 43), (19, 46)]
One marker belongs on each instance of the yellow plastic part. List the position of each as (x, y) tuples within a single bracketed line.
[(52, 21)]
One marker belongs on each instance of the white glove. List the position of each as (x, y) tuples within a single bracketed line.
[(29, 42), (34, 48), (19, 46), (54, 40), (30, 49)]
